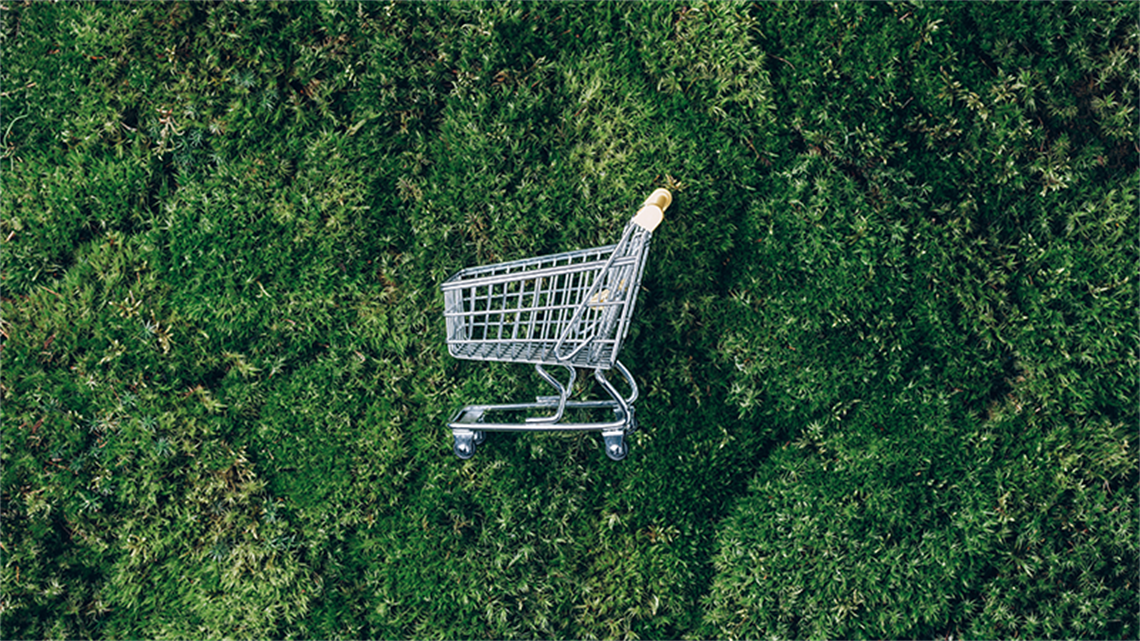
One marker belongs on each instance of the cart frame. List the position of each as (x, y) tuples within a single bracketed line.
[(571, 310)]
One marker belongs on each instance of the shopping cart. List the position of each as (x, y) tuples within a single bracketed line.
[(571, 310)]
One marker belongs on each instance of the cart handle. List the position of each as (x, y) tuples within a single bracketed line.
[(652, 210), (648, 218)]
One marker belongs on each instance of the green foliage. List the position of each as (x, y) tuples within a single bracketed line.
[(932, 296), (873, 525), (886, 339)]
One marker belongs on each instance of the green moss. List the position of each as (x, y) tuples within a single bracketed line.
[(886, 338)]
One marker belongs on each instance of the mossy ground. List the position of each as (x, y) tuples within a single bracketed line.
[(887, 337)]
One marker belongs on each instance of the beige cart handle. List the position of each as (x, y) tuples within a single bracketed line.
[(652, 211)]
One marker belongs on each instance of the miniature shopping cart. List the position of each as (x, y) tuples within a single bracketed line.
[(571, 310)]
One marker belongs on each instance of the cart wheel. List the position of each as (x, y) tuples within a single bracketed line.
[(464, 449), (480, 436), (617, 451)]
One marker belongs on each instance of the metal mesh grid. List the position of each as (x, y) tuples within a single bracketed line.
[(568, 308)]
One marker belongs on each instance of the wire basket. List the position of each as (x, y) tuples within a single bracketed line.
[(564, 309)]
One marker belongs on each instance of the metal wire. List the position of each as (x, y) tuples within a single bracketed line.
[(571, 308)]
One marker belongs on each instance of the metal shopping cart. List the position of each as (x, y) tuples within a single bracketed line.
[(570, 309)]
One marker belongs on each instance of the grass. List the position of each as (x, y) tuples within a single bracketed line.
[(887, 337)]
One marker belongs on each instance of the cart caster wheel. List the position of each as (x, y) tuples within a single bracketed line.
[(480, 436), (464, 449), (617, 451)]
